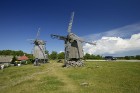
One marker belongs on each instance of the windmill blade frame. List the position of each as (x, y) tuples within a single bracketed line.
[(38, 33), (71, 22)]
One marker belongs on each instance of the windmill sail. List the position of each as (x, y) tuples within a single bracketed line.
[(38, 33), (70, 23)]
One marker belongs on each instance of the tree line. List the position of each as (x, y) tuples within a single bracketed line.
[(137, 57), (55, 55), (15, 53)]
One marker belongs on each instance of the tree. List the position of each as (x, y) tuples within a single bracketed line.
[(13, 60), (138, 57), (53, 55), (127, 57), (47, 52), (30, 56), (20, 53), (61, 55), (98, 57), (87, 56), (12, 52)]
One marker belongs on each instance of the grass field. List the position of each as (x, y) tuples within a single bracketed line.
[(94, 77)]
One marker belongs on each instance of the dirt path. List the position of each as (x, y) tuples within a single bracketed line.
[(70, 84)]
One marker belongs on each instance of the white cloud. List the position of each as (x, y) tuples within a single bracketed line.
[(61, 51), (123, 32), (115, 43)]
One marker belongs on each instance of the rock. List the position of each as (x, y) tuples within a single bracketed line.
[(84, 84)]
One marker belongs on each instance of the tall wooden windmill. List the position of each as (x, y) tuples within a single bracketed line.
[(39, 48), (73, 46)]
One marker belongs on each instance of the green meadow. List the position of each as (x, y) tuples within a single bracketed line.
[(94, 77)]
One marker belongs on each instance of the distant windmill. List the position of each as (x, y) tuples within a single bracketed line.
[(39, 48), (73, 46)]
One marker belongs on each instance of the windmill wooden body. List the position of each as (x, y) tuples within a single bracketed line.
[(73, 47), (39, 50)]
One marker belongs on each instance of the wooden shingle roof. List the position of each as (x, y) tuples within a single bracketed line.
[(6, 58)]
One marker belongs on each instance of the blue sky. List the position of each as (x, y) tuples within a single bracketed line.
[(20, 20)]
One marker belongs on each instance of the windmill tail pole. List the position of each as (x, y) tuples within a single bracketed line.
[(87, 42), (91, 43), (58, 37)]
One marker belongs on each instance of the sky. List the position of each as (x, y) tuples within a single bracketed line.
[(113, 24)]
